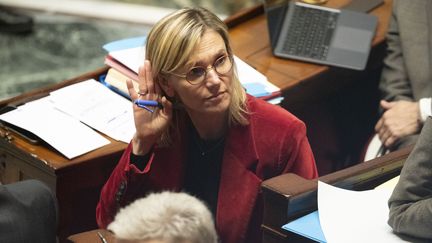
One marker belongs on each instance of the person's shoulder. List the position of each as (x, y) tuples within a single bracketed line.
[(409, 8), (28, 186)]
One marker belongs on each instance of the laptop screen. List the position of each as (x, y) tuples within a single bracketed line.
[(275, 11)]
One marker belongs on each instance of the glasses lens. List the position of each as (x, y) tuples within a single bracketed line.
[(223, 65), (195, 75)]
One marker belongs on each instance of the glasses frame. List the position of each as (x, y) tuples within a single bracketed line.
[(207, 69)]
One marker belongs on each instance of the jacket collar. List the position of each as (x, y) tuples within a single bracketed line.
[(239, 186)]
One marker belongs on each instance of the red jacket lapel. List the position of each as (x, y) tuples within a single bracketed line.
[(239, 186)]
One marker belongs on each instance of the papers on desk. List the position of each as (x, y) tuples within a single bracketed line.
[(58, 118), (254, 82), (98, 107), (66, 134), (127, 55), (347, 216), (355, 216)]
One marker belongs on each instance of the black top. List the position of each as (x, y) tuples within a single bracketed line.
[(203, 168)]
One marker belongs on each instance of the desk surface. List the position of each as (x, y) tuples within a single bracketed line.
[(76, 182), (250, 41), (91, 237), (53, 160)]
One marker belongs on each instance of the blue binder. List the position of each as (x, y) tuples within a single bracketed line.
[(308, 226)]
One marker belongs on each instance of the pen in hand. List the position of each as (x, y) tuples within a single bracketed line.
[(146, 103)]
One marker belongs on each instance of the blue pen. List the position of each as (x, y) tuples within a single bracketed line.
[(146, 103)]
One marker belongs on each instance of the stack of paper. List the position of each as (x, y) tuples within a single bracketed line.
[(59, 119), (355, 216), (63, 132), (93, 104), (126, 56)]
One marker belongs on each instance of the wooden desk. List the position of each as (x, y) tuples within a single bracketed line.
[(91, 237), (250, 42), (339, 106), (289, 196), (77, 182), (324, 97)]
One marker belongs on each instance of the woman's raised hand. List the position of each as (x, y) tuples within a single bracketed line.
[(149, 125)]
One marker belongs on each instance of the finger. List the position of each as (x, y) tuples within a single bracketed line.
[(149, 77), (390, 141), (383, 137), (384, 133), (389, 137), (386, 105), (379, 125), (381, 134), (132, 93), (142, 82)]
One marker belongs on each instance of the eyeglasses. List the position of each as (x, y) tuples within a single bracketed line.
[(198, 74)]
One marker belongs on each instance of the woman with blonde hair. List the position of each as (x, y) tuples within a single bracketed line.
[(206, 136)]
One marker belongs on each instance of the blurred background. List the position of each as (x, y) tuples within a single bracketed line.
[(47, 41)]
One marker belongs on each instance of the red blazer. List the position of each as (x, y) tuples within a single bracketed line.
[(272, 144)]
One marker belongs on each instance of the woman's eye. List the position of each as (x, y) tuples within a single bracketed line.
[(196, 73), (220, 61)]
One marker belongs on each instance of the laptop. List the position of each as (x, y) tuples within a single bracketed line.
[(318, 34)]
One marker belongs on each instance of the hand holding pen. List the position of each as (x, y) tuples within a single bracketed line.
[(152, 112), (145, 104)]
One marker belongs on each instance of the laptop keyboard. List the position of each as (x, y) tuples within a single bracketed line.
[(310, 32)]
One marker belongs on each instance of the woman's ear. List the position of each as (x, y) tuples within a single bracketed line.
[(166, 87)]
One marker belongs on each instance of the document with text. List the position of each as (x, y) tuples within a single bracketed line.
[(97, 106), (63, 132)]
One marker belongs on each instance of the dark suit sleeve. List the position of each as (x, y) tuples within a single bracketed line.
[(28, 212), (395, 83), (411, 201)]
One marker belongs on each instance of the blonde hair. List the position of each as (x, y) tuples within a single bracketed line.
[(171, 43), (167, 216)]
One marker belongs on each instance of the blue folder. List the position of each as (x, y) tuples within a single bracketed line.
[(308, 226), (256, 89), (125, 43)]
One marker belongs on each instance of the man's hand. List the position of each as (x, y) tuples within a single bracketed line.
[(400, 119)]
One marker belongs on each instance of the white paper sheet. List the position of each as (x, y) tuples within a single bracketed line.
[(97, 106), (65, 133), (354, 216)]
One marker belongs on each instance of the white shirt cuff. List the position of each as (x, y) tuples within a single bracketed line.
[(425, 108)]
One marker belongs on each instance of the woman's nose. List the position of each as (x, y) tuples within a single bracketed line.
[(212, 77)]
